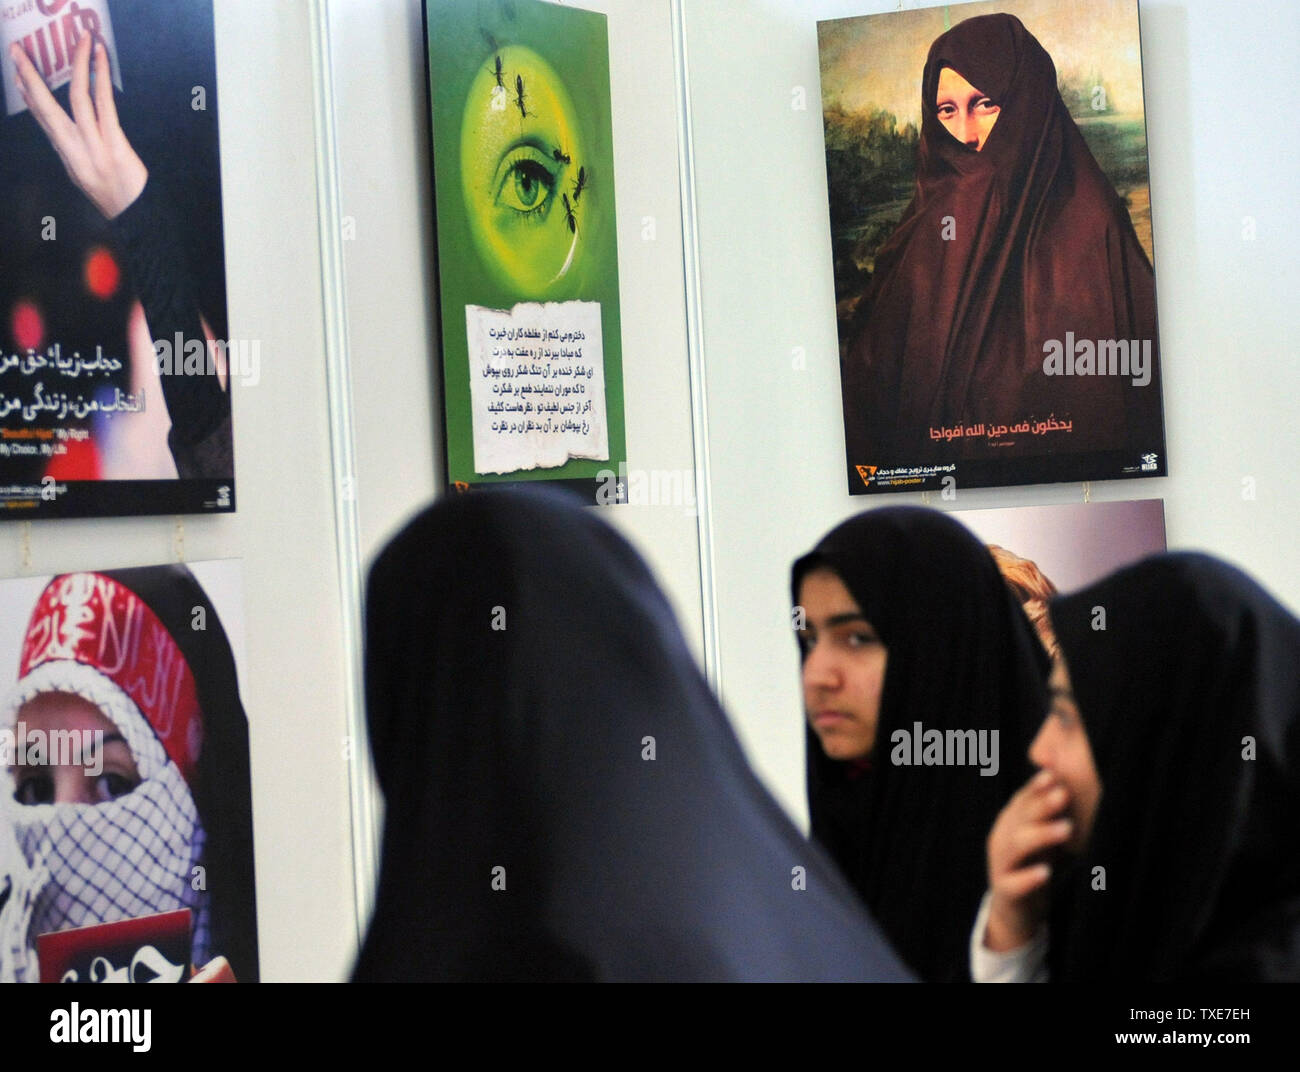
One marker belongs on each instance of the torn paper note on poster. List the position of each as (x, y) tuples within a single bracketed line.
[(48, 31), (537, 385)]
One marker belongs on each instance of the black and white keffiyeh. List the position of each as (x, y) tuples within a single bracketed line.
[(73, 865)]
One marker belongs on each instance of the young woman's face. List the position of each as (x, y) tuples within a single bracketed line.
[(967, 113), (104, 771), (1062, 747), (843, 667)]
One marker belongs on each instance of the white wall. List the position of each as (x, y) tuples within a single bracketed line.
[(1216, 74)]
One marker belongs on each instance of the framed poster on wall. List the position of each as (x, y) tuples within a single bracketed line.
[(126, 830), (115, 358), (991, 227), (1046, 550), (527, 254)]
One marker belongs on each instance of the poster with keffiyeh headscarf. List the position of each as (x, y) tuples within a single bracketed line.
[(124, 767)]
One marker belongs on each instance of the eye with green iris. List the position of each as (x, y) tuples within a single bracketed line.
[(516, 167), (526, 183)]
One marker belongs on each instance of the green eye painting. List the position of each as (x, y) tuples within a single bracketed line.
[(521, 155), (525, 218)]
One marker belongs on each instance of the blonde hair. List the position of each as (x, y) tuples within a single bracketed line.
[(1033, 588)]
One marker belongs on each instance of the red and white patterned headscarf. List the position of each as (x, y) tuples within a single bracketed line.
[(72, 865)]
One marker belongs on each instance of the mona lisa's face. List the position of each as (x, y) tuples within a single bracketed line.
[(966, 112)]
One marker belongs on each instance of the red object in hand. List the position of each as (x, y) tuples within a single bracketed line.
[(148, 949)]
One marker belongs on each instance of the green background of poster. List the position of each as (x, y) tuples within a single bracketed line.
[(463, 40)]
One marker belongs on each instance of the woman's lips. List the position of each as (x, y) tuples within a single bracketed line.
[(829, 717)]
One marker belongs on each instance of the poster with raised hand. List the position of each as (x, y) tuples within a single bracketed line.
[(116, 361)]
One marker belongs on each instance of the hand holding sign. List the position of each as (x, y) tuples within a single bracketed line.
[(94, 151)]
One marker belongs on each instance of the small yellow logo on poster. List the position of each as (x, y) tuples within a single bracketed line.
[(866, 472)]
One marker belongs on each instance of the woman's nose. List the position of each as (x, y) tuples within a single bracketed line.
[(1040, 749), (71, 786), (819, 669)]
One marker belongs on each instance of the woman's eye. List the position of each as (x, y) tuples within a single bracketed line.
[(111, 785), (35, 787), (946, 111), (526, 184), (987, 106)]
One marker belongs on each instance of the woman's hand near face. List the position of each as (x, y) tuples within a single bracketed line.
[(95, 153), (1029, 826)]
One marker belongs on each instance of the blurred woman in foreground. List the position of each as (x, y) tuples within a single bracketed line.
[(565, 800)]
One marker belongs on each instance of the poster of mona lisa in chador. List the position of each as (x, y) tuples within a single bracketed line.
[(991, 233)]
